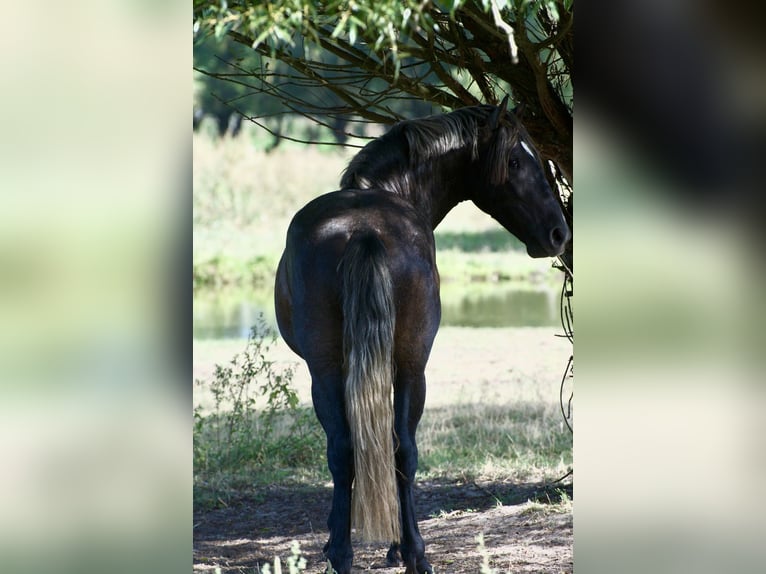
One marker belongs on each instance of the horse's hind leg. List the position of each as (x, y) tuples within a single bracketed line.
[(409, 399), (327, 395), (393, 557)]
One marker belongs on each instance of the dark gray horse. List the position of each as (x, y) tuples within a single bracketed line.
[(357, 297)]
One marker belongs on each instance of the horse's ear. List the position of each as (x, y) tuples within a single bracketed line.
[(519, 110), (498, 113)]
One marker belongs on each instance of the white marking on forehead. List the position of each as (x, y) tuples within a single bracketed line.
[(527, 148)]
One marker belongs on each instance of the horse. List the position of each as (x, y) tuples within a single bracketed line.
[(357, 297)]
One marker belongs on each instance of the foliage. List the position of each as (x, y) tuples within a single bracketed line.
[(295, 562), (495, 240), (255, 419), (344, 64), (361, 60)]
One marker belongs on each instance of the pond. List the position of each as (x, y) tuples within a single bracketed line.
[(224, 315)]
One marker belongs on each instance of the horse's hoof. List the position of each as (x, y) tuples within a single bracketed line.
[(422, 567), (392, 556), (330, 570), (338, 565)]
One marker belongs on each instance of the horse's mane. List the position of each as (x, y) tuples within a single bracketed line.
[(385, 161)]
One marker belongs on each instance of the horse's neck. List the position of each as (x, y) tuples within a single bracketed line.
[(433, 186), (434, 189)]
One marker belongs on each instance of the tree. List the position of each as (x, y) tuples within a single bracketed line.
[(343, 61)]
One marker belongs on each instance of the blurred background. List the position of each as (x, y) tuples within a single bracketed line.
[(670, 124), (95, 252)]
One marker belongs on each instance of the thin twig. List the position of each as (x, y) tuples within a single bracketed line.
[(561, 395), (570, 472), (297, 140), (487, 490)]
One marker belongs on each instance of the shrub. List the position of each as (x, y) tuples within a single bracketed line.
[(237, 442)]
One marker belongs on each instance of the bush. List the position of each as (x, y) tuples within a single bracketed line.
[(237, 443)]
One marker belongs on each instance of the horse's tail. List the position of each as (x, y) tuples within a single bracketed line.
[(368, 345)]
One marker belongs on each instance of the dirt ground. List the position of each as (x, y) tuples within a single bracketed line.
[(529, 532), (520, 537)]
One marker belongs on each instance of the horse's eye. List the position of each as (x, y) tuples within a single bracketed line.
[(515, 163)]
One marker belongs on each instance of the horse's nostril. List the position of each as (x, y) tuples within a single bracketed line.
[(557, 236)]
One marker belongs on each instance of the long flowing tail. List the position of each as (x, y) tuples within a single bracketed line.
[(368, 344)]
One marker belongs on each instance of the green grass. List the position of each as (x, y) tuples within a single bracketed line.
[(472, 442), (292, 451), (491, 267), (227, 268), (523, 442), (255, 432)]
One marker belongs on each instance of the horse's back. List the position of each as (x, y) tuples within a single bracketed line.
[(309, 285)]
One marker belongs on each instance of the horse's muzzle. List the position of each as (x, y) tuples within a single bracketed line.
[(554, 244), (559, 236)]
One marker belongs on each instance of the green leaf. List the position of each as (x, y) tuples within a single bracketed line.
[(260, 38), (553, 10), (357, 22), (406, 17), (340, 26)]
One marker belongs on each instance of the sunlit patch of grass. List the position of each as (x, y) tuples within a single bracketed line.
[(561, 506), (523, 441), (453, 513), (519, 438)]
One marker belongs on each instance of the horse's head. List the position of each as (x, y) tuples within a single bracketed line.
[(513, 188)]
